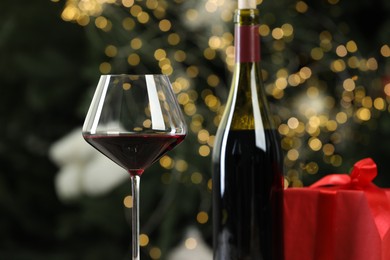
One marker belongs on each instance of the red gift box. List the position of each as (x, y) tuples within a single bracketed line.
[(340, 217)]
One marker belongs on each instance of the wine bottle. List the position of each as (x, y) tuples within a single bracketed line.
[(247, 159)]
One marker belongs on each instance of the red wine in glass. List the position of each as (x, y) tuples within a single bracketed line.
[(134, 152)]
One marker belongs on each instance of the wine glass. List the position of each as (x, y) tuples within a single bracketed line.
[(134, 120)]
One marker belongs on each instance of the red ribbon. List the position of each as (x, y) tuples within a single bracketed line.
[(361, 177)]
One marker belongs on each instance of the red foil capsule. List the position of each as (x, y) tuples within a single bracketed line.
[(247, 43)]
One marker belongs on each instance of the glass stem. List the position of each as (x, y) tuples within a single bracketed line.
[(135, 179)]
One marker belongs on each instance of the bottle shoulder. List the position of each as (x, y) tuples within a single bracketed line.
[(247, 102)]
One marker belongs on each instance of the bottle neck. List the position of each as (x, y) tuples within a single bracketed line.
[(246, 36), (246, 92)]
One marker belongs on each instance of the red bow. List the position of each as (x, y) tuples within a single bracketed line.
[(361, 177)]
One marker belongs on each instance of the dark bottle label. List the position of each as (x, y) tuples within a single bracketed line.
[(247, 43)]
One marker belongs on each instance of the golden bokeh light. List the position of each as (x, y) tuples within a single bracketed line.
[(128, 202), (196, 178), (202, 217), (385, 50), (143, 240), (165, 25), (301, 7), (155, 253), (190, 243)]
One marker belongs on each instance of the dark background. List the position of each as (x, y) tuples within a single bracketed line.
[(49, 68)]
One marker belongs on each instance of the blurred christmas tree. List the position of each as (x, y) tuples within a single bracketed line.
[(326, 69)]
